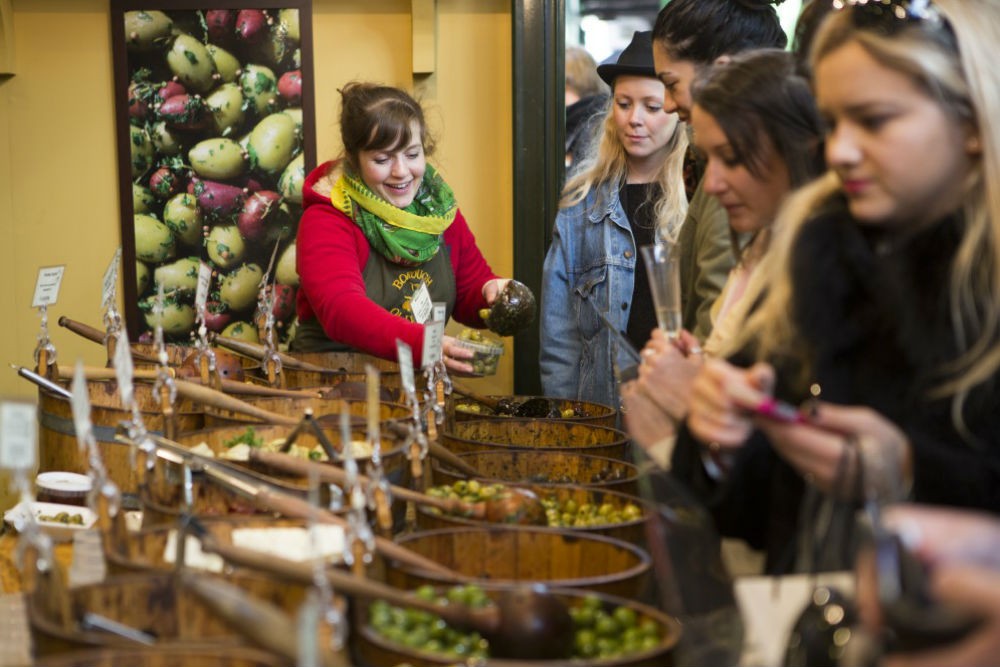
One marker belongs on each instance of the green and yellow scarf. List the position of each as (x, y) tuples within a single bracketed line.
[(407, 236)]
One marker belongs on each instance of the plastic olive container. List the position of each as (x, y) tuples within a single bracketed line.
[(486, 354)]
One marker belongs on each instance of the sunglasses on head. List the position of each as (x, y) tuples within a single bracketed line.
[(890, 16)]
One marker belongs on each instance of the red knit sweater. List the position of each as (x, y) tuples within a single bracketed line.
[(331, 252)]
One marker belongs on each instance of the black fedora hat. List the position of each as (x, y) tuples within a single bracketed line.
[(636, 58)]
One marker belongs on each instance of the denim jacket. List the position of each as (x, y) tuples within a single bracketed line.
[(592, 256)]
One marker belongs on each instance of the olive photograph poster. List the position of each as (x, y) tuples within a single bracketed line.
[(215, 132)]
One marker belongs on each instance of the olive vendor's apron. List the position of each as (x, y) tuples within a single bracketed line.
[(391, 286)]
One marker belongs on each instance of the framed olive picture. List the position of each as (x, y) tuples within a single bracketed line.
[(215, 132)]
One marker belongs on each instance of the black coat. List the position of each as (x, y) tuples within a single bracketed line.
[(874, 311)]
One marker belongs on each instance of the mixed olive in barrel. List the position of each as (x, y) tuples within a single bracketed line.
[(567, 513), (599, 631)]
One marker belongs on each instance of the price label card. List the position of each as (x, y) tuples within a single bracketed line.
[(421, 305), (18, 428), (440, 311), (80, 403), (110, 280), (405, 357), (204, 280), (47, 286), (123, 368), (88, 565), (433, 337)]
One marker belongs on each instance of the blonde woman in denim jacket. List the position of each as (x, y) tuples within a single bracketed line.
[(629, 191)]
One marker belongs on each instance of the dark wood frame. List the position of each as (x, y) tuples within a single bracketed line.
[(133, 316), (539, 79)]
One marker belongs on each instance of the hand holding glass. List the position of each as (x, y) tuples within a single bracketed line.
[(663, 272)]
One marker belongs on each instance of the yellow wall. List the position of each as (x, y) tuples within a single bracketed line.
[(58, 189)]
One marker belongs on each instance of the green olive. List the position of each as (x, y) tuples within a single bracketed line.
[(226, 105), (217, 158), (141, 277), (273, 143), (260, 87), (180, 275), (143, 200), (284, 271), (153, 240), (242, 331), (166, 140), (183, 216), (226, 64), (289, 19), (189, 60), (292, 178), (238, 289), (142, 150), (145, 30), (177, 318), (225, 246)]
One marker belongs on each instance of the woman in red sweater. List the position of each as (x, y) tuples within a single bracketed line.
[(379, 226)]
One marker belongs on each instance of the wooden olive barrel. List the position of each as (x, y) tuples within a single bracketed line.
[(152, 603), (586, 412), (296, 407), (376, 651), (526, 466), (342, 367), (187, 655), (508, 554), (163, 492), (58, 448), (538, 434), (630, 531)]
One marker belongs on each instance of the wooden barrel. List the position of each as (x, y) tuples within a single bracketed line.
[(375, 650), (539, 434), (340, 367), (58, 448), (585, 412), (296, 407), (187, 655), (151, 603), (509, 554), (162, 495), (526, 466), (631, 531)]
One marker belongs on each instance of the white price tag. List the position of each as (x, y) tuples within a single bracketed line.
[(420, 304), (109, 283), (440, 311), (201, 294), (80, 403), (123, 368), (405, 356), (47, 286), (433, 337), (18, 427)]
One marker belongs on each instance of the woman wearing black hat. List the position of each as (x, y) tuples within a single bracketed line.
[(629, 189)]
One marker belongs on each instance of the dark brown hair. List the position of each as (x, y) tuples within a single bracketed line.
[(377, 117), (760, 94)]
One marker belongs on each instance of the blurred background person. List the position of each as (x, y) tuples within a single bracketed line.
[(586, 103)]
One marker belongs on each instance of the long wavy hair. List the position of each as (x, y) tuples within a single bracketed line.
[(966, 84), (607, 162)]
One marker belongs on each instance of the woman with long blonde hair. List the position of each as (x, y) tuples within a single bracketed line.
[(628, 192), (882, 295)]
